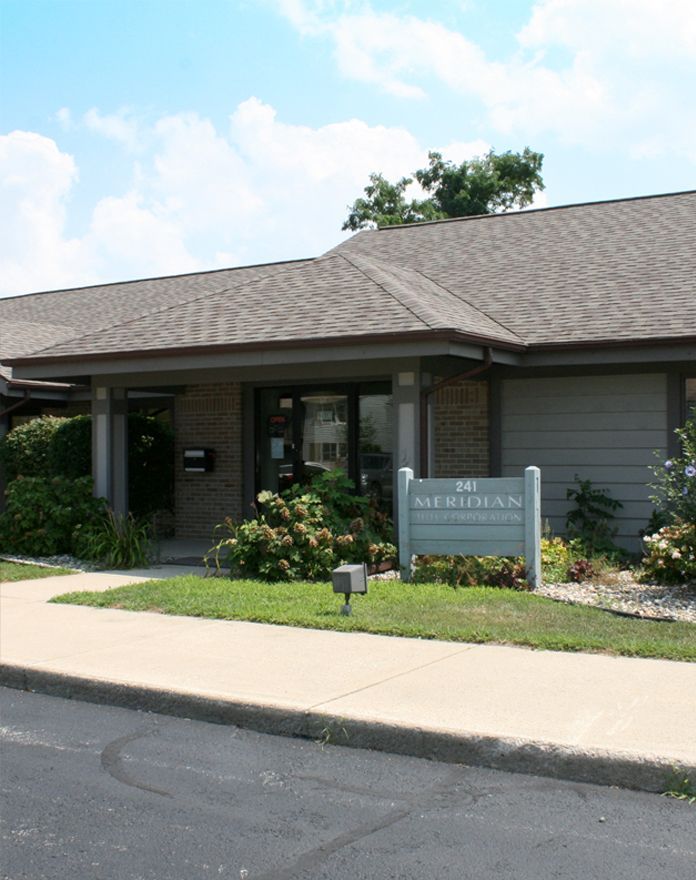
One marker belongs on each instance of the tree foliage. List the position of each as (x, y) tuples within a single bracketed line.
[(484, 185)]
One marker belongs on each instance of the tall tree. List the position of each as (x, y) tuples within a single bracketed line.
[(494, 182)]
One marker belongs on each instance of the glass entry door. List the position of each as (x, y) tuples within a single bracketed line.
[(304, 431), (301, 433)]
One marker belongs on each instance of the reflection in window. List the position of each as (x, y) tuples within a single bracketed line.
[(374, 448), (690, 397), (325, 429)]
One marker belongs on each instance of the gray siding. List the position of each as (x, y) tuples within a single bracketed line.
[(602, 428)]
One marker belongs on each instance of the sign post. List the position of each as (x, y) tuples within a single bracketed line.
[(499, 516)]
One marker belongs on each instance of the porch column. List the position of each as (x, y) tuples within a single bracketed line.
[(4, 428), (406, 397), (110, 446)]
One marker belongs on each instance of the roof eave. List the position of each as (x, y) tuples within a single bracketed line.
[(450, 335)]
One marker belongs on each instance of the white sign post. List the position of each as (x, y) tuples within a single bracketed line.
[(498, 516)]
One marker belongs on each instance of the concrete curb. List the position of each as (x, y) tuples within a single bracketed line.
[(600, 767)]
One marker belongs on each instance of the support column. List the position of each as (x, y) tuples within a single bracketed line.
[(406, 388), (110, 446), (4, 428)]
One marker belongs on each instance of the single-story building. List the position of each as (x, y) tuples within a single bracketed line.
[(561, 337)]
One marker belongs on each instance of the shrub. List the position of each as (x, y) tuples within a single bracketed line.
[(71, 447), (556, 557), (42, 514), (671, 554), (471, 571), (590, 520), (26, 450), (114, 540), (675, 485), (303, 534), (50, 447), (581, 570)]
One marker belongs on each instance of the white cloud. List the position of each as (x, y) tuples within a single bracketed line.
[(198, 197), (664, 29), (35, 180), (124, 238), (64, 118), (626, 65), (119, 126)]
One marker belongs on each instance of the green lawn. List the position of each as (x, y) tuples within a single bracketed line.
[(431, 611), (20, 571)]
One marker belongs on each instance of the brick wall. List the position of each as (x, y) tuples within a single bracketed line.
[(208, 416), (461, 430)]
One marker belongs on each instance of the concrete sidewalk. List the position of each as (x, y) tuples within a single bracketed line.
[(609, 720)]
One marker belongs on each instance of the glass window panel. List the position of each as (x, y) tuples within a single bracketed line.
[(690, 397), (375, 438)]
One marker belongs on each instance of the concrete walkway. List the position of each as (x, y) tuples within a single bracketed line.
[(609, 720)]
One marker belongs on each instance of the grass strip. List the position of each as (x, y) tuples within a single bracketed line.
[(430, 611), (25, 571)]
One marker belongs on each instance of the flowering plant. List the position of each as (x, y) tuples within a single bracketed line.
[(675, 485), (301, 534), (671, 554)]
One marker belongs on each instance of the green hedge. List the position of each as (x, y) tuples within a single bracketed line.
[(43, 513), (62, 447)]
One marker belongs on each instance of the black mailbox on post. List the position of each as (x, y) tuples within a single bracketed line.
[(199, 461)]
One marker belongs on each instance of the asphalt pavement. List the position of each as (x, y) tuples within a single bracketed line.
[(101, 793), (594, 718)]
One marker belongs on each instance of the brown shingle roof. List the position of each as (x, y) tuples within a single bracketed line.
[(35, 321), (331, 297), (606, 271), (582, 274)]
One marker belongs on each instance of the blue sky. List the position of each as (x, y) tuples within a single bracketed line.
[(145, 137)]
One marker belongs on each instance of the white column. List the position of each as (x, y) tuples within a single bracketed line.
[(406, 397), (110, 446)]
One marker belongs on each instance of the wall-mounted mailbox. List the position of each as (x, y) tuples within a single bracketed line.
[(199, 461)]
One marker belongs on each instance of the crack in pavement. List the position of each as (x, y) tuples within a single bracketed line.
[(314, 857)]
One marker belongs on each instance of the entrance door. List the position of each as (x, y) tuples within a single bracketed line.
[(304, 431), (301, 433)]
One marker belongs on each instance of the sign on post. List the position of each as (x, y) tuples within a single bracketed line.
[(497, 516)]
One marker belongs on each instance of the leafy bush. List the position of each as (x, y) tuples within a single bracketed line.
[(671, 554), (304, 534), (556, 557), (675, 484), (42, 514), (472, 571), (590, 520), (581, 570), (26, 450), (114, 540), (51, 447), (71, 447), (563, 561)]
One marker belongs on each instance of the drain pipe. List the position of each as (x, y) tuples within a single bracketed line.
[(427, 393)]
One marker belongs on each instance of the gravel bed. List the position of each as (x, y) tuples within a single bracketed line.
[(622, 592), (618, 591)]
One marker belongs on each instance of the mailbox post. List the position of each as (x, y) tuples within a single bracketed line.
[(349, 579)]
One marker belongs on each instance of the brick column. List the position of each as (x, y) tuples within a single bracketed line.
[(461, 430), (208, 416)]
